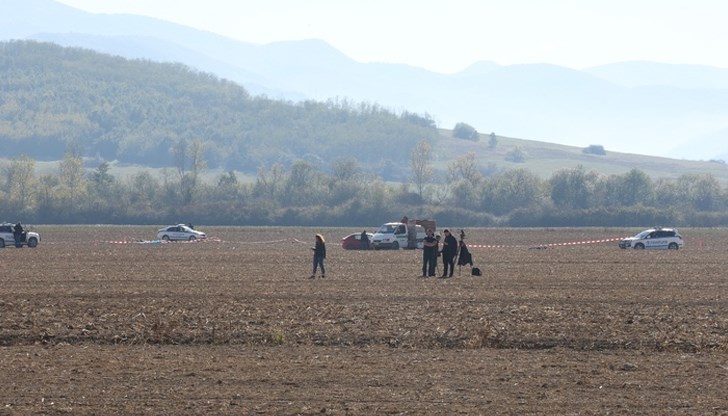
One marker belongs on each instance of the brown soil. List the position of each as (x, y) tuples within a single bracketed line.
[(235, 326)]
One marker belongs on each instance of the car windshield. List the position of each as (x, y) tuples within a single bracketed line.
[(643, 234), (185, 229), (386, 229)]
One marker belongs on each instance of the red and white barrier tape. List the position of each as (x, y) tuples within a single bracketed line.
[(202, 240), (571, 243)]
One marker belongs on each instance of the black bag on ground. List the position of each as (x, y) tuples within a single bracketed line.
[(476, 272)]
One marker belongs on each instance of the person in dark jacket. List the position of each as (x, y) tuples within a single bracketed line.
[(319, 254), (464, 257), (18, 234), (429, 254), (364, 238), (449, 252)]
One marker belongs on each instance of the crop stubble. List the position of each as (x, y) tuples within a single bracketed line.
[(235, 326)]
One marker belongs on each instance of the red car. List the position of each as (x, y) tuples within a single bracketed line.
[(353, 242)]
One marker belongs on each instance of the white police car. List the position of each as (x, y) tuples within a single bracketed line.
[(7, 237), (654, 239), (180, 232)]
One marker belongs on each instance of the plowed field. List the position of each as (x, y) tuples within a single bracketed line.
[(93, 322)]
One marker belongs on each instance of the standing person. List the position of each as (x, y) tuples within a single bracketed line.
[(319, 254), (18, 234), (449, 252), (429, 254), (364, 238)]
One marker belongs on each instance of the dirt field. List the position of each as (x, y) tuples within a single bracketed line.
[(234, 326)]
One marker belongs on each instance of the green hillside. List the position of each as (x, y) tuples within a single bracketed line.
[(136, 112), (543, 159)]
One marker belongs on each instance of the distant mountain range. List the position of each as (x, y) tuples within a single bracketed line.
[(676, 111)]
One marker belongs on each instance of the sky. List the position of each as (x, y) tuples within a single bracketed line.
[(449, 35)]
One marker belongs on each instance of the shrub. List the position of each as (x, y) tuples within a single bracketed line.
[(595, 149), (465, 131)]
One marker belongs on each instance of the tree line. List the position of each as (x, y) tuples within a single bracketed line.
[(347, 195)]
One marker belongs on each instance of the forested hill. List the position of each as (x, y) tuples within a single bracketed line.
[(55, 98)]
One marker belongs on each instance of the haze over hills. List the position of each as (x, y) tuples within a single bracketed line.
[(638, 107)]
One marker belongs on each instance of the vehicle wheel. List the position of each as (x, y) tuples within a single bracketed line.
[(165, 237), (32, 243), (395, 246), (193, 238), (639, 246), (2, 243), (672, 246)]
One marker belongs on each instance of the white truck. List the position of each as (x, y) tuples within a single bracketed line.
[(396, 235)]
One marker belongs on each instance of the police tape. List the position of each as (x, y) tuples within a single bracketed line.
[(542, 246), (201, 240), (297, 241), (193, 241)]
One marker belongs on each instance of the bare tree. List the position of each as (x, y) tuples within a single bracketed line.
[(463, 180), (71, 175), (421, 165), (179, 153), (269, 182), (464, 168), (20, 182), (188, 156)]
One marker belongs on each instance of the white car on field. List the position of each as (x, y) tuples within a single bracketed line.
[(180, 232), (654, 239), (7, 237)]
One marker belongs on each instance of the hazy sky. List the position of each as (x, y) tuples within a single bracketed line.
[(449, 35)]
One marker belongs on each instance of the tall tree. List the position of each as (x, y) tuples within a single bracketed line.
[(463, 179), (573, 188), (72, 176), (102, 180), (702, 191), (302, 185), (514, 189), (189, 161), (636, 188), (421, 165), (269, 182), (464, 168), (20, 183)]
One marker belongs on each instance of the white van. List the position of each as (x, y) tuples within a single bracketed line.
[(393, 235)]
